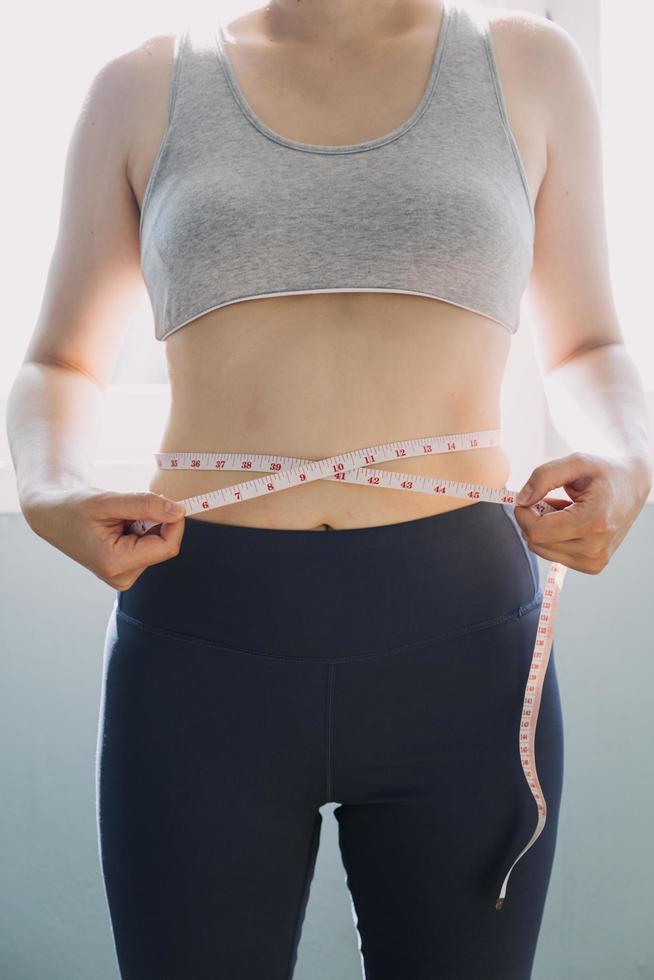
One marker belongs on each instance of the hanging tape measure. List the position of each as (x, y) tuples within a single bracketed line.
[(355, 467)]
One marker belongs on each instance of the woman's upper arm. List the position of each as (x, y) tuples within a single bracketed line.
[(569, 293), (94, 279)]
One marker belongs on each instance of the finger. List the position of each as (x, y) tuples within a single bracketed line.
[(172, 532), (571, 547), (160, 544), (527, 516), (554, 554), (565, 524), (149, 549), (577, 562), (574, 472), (141, 506)]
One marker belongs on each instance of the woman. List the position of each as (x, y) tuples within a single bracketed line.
[(386, 179)]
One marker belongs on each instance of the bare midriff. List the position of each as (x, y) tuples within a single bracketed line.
[(315, 375)]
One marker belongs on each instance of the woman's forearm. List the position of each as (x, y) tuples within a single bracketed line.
[(598, 404), (53, 423)]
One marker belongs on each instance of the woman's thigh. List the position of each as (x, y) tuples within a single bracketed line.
[(209, 779), (435, 805)]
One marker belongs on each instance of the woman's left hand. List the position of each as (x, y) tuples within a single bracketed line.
[(608, 494)]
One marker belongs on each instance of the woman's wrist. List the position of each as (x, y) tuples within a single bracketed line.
[(31, 496)]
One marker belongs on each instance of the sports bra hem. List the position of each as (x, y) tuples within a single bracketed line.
[(339, 289)]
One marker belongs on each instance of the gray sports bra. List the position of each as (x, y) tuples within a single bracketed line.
[(438, 207)]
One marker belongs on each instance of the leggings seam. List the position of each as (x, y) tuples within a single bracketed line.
[(330, 729), (514, 614)]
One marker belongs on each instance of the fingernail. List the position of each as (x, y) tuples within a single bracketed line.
[(174, 507), (525, 494)]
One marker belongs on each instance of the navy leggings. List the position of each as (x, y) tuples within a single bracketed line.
[(262, 673)]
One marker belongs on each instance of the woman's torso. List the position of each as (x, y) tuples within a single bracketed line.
[(314, 375)]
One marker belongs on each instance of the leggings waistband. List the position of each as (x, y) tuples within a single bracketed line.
[(337, 594)]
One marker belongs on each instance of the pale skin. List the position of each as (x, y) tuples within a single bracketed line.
[(333, 72)]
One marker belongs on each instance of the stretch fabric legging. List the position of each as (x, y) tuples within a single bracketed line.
[(262, 673)]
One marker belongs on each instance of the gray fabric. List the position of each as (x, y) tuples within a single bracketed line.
[(438, 207)]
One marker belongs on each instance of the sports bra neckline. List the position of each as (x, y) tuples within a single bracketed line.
[(218, 36)]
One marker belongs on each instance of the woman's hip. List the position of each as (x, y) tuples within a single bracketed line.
[(343, 593)]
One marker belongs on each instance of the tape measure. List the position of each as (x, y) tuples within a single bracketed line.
[(357, 467)]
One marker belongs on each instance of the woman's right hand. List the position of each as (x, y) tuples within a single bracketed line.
[(90, 524)]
